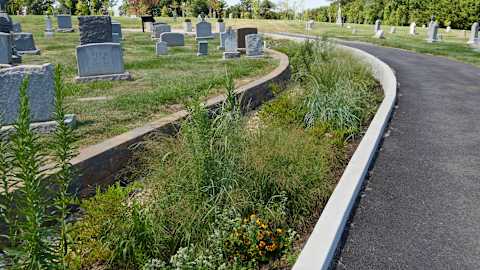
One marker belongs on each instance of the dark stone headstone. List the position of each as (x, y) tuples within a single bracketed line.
[(95, 29), (6, 25), (242, 33)]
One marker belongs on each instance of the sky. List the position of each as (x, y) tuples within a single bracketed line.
[(308, 3)]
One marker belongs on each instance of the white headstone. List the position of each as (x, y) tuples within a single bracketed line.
[(449, 29), (432, 33), (474, 38), (393, 30), (378, 26), (339, 15), (413, 29), (380, 34)]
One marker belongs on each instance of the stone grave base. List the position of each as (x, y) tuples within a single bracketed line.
[(109, 77), (36, 52), (255, 56), (65, 30), (204, 38), (432, 40), (43, 127), (231, 55)]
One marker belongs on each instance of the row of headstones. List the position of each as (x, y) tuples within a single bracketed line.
[(230, 40), (432, 32), (14, 42)]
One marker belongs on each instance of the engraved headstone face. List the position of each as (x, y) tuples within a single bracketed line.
[(378, 25), (117, 28), (433, 33), (159, 29), (64, 22), (40, 92), (242, 33), (95, 29), (254, 45), (99, 59), (474, 38), (161, 48), (173, 39), (204, 30), (5, 48), (202, 48), (231, 44), (24, 43)]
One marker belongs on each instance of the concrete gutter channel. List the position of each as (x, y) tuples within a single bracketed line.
[(320, 248), (99, 164)]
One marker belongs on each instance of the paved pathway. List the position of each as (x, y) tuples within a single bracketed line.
[(421, 205)]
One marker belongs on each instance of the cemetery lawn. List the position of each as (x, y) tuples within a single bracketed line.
[(232, 191), (106, 109)]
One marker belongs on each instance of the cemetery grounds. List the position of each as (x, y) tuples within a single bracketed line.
[(160, 85)]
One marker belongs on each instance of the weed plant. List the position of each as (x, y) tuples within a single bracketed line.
[(35, 204)]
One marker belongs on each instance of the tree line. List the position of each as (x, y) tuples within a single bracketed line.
[(459, 14)]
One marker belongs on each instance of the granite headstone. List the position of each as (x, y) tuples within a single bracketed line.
[(231, 44), (24, 43), (378, 26), (117, 28), (161, 48), (203, 30), (474, 38), (95, 29), (242, 33), (159, 29), (5, 49), (64, 23), (432, 33), (173, 39), (101, 61), (202, 48), (254, 43), (40, 91)]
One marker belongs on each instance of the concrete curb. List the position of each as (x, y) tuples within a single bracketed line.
[(99, 164), (320, 248)]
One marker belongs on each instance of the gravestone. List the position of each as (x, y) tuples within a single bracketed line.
[(474, 38), (231, 44), (40, 91), (339, 15), (187, 26), (16, 27), (148, 26), (379, 34), (117, 28), (161, 48), (448, 29), (159, 29), (203, 30), (254, 43), (223, 36), (242, 33), (100, 61), (309, 25), (221, 27), (413, 29), (48, 24), (116, 38), (24, 43), (378, 26), (64, 23), (393, 30), (5, 49), (202, 48), (147, 19), (432, 33), (173, 39), (95, 29), (6, 24)]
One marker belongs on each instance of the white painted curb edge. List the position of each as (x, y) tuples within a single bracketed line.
[(320, 248)]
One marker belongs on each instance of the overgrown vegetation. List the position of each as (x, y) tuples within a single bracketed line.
[(230, 192), (35, 203)]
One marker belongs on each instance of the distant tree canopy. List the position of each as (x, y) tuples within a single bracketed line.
[(460, 14)]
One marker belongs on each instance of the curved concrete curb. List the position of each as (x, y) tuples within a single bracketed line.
[(99, 164), (320, 248)]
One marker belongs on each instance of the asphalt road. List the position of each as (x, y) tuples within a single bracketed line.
[(420, 208)]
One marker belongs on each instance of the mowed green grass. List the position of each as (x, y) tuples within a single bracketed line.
[(160, 83)]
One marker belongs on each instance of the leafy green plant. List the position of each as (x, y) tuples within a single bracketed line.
[(35, 207)]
